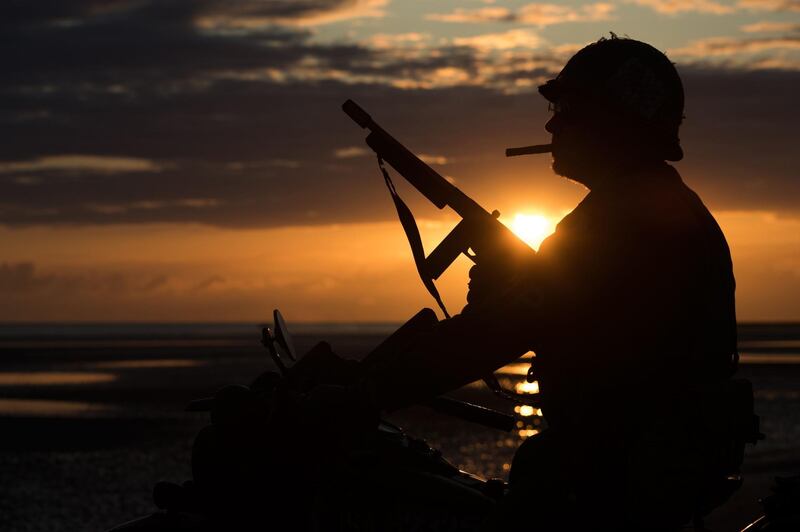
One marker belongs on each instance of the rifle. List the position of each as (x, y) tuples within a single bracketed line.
[(478, 230)]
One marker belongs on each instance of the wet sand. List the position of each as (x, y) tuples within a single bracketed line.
[(88, 427)]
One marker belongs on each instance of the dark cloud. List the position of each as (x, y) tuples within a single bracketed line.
[(20, 277), (240, 128), (150, 49), (23, 278), (159, 281), (49, 13), (209, 282), (739, 131)]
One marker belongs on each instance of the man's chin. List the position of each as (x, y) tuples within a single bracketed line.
[(560, 168), (567, 171)]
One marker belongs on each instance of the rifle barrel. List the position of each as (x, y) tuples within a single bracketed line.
[(424, 178)]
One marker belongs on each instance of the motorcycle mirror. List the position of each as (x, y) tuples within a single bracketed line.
[(282, 335), (268, 340)]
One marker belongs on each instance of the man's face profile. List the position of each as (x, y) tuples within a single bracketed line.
[(579, 147), (617, 105)]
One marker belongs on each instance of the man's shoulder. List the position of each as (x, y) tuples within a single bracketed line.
[(659, 199), (654, 206)]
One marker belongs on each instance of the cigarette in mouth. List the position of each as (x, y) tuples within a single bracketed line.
[(529, 150)]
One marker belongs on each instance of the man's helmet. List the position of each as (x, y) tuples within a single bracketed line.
[(631, 80)]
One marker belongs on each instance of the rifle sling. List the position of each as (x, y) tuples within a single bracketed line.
[(418, 251), (412, 234)]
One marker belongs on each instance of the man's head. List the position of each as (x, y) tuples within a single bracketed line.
[(618, 104)]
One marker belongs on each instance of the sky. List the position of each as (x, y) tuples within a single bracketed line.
[(189, 161)]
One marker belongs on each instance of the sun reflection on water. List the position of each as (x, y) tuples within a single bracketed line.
[(527, 410), (50, 408), (527, 387), (53, 378), (151, 363), (515, 375)]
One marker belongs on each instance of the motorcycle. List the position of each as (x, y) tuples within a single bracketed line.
[(368, 475), (256, 466)]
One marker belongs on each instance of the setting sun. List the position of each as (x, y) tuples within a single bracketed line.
[(532, 228)]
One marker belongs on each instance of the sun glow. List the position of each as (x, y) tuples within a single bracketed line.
[(532, 228)]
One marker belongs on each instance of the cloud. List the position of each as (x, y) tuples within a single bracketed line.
[(722, 46), (771, 27), (143, 206), (672, 7), (20, 277), (770, 5), (81, 163), (548, 14), (350, 152), (739, 152), (482, 14), (255, 15), (163, 122), (536, 14), (27, 180), (394, 40), (155, 283), (208, 15), (209, 282), (23, 278), (437, 78), (516, 38), (198, 203), (752, 53), (433, 159)]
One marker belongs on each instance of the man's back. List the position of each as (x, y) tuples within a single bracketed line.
[(637, 329), (640, 305)]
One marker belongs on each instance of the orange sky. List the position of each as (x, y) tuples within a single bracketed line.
[(188, 161), (349, 272)]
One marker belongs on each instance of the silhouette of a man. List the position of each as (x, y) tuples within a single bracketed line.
[(629, 308)]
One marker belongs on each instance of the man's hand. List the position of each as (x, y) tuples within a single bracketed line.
[(501, 283), (488, 279)]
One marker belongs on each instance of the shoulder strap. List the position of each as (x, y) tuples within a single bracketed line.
[(412, 234)]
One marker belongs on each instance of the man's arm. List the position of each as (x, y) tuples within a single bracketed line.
[(457, 351)]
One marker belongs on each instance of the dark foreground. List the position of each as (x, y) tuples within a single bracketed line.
[(88, 426)]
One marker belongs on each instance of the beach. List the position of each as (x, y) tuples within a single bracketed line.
[(92, 415)]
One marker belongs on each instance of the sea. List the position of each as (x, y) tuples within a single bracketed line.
[(93, 414)]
